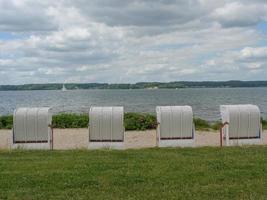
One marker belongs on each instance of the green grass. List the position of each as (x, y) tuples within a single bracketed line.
[(188, 173)]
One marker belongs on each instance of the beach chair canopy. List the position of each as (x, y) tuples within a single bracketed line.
[(244, 121), (106, 124), (31, 125), (175, 122)]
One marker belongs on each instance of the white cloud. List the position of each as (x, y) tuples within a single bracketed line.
[(26, 16), (248, 63), (254, 53), (130, 41), (236, 14)]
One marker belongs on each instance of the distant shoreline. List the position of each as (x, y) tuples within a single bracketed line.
[(140, 85), (25, 90)]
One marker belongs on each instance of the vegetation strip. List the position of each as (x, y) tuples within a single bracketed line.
[(132, 121), (166, 173), (140, 85)]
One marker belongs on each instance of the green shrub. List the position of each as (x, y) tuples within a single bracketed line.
[(139, 121), (201, 124), (6, 122), (264, 123), (132, 121), (70, 120), (216, 125)]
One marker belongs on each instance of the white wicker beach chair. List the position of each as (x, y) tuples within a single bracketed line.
[(242, 124), (32, 128), (175, 126), (106, 129)]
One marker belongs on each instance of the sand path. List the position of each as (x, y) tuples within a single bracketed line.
[(78, 139)]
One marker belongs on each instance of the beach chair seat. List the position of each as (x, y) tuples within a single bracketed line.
[(32, 128), (106, 129), (175, 126), (243, 124)]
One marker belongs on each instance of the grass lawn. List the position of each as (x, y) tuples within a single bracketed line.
[(189, 173)]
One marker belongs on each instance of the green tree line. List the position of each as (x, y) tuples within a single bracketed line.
[(140, 85)]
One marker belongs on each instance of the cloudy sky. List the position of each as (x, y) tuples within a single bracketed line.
[(119, 41)]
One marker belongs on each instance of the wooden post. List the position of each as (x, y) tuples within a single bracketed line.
[(221, 132)]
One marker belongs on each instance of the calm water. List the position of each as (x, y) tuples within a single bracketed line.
[(205, 101)]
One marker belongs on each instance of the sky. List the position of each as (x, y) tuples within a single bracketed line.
[(129, 41)]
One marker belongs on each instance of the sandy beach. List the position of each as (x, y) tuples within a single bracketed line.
[(78, 139)]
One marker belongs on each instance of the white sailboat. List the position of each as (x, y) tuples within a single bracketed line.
[(64, 88)]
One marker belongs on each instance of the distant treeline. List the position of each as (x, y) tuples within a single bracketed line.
[(140, 85)]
